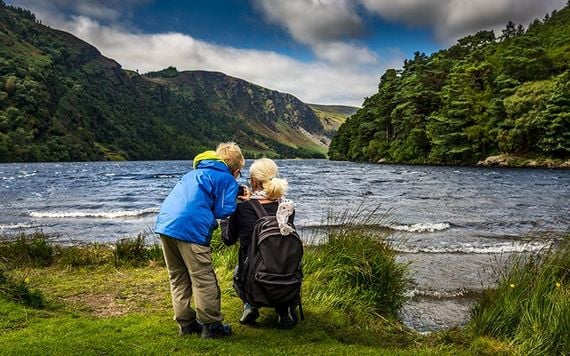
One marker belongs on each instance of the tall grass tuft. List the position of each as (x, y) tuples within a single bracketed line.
[(36, 249), (531, 304), (23, 249), (20, 291), (223, 256), (356, 269), (85, 255), (155, 255), (135, 251)]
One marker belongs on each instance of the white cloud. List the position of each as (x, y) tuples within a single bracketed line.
[(323, 82), (453, 19), (103, 10), (345, 54), (313, 21), (327, 26)]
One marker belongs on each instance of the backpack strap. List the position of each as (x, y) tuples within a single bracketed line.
[(259, 209)]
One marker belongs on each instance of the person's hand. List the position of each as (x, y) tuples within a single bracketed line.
[(246, 194)]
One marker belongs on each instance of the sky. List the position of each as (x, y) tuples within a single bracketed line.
[(321, 51)]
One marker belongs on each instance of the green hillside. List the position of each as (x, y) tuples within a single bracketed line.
[(61, 100), (487, 95), (332, 116), (262, 120)]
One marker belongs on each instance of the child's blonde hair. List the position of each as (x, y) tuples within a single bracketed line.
[(266, 172), (230, 153)]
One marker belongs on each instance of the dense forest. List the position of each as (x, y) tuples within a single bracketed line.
[(484, 96), (61, 100)]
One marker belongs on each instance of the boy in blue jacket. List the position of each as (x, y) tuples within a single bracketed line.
[(185, 223)]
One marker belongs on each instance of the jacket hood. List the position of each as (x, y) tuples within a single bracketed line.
[(207, 156)]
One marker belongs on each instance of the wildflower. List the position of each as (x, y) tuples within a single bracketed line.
[(558, 284), (512, 285), (27, 280)]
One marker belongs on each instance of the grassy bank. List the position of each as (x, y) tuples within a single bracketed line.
[(102, 299), (530, 307)]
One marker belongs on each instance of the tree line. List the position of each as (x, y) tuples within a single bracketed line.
[(483, 96)]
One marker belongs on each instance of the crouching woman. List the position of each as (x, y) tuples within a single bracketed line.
[(277, 254)]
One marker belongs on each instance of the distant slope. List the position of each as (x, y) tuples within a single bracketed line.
[(341, 110), (332, 116), (260, 117), (61, 100)]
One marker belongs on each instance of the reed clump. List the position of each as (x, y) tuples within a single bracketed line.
[(358, 267), (34, 249), (37, 250), (531, 304), (85, 255), (356, 272), (137, 251)]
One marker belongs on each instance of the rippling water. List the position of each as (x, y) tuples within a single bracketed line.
[(453, 224)]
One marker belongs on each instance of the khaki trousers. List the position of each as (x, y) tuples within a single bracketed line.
[(190, 271)]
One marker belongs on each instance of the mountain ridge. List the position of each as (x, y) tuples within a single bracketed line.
[(61, 100)]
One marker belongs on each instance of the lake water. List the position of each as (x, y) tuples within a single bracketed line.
[(455, 225)]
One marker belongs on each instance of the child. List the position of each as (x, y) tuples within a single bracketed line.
[(185, 223)]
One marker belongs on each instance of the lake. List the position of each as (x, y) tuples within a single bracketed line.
[(455, 225)]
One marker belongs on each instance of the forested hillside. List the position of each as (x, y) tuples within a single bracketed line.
[(61, 100), (486, 95)]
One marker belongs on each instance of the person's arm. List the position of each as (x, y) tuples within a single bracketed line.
[(227, 237), (225, 199)]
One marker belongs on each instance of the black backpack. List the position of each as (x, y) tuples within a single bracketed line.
[(272, 272)]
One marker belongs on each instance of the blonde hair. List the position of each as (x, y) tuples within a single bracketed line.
[(230, 153), (265, 171)]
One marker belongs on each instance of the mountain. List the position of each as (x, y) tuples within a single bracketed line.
[(61, 100), (261, 118), (504, 97), (332, 116)]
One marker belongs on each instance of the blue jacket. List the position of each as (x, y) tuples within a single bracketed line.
[(203, 195)]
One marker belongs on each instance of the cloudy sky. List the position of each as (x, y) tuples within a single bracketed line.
[(322, 51)]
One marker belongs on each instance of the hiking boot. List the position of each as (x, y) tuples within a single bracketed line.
[(250, 314), (286, 318), (195, 327), (216, 330)]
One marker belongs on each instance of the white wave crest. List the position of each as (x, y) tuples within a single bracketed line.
[(440, 294), (18, 226), (474, 249), (93, 214), (421, 227)]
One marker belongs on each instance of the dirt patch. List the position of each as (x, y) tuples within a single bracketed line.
[(111, 304), (102, 305)]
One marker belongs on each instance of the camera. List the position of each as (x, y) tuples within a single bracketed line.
[(241, 190)]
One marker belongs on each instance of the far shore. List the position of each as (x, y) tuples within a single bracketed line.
[(498, 161)]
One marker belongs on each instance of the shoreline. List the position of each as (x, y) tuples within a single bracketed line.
[(497, 161), (513, 161)]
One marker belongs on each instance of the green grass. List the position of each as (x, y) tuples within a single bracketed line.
[(361, 274), (18, 290), (97, 303), (108, 310), (352, 289), (530, 307)]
